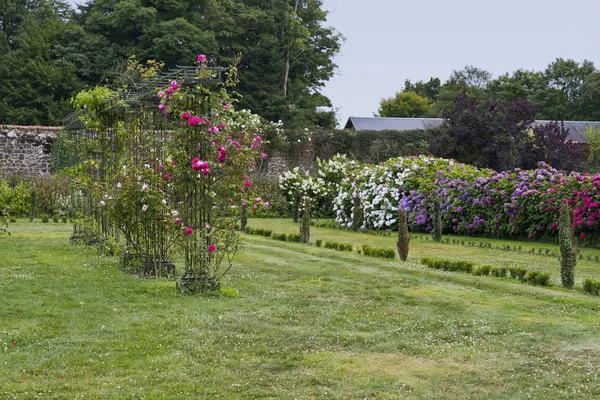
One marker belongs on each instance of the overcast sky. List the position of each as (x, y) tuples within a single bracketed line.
[(389, 41)]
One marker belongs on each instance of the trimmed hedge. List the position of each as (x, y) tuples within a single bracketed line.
[(532, 277)]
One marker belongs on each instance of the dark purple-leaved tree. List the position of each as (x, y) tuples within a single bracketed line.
[(491, 134)]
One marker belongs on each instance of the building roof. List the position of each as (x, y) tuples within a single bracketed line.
[(575, 128), (391, 124)]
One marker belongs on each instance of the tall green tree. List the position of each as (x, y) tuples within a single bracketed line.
[(560, 97), (283, 48), (404, 105), (36, 81)]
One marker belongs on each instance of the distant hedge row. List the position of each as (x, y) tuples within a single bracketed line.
[(370, 147)]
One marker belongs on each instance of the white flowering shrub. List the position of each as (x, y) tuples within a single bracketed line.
[(409, 182), (295, 186)]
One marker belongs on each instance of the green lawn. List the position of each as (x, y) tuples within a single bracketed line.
[(310, 323)]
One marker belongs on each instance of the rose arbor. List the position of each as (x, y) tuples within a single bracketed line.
[(179, 171), (207, 168)]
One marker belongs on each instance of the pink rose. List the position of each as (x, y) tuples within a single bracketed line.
[(178, 221), (194, 121), (201, 58), (248, 184), (186, 115), (211, 248), (188, 231)]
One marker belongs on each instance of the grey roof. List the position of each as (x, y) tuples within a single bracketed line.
[(391, 124), (575, 128)]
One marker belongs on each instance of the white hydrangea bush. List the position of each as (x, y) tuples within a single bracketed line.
[(383, 188)]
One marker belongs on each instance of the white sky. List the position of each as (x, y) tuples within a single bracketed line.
[(389, 41)]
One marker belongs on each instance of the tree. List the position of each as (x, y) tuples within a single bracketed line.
[(520, 85), (36, 82), (471, 81), (429, 89), (593, 136), (404, 105), (566, 241), (282, 48), (559, 98), (487, 133)]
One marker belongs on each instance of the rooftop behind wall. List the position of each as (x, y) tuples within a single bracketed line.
[(26, 149)]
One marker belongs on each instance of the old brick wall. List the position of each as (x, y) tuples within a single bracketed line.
[(26, 149)]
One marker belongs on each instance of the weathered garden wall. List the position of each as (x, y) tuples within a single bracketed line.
[(26, 149)]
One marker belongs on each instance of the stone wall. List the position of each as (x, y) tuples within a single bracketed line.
[(26, 149), (279, 163)]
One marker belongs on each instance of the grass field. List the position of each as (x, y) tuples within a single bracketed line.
[(310, 323)]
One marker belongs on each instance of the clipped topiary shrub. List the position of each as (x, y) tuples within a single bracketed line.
[(305, 224), (436, 233), (566, 241), (591, 286), (403, 235)]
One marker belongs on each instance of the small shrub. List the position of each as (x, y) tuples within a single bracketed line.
[(13, 220), (380, 252), (499, 272), (537, 278), (319, 242), (45, 219), (465, 266), (280, 236), (292, 237), (345, 247), (331, 245), (483, 270), (64, 220), (230, 293), (518, 273), (55, 219), (591, 286)]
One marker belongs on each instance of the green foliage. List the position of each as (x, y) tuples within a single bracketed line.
[(319, 242), (566, 240), (483, 270), (405, 104), (338, 246), (592, 134), (403, 235), (268, 188), (518, 273), (230, 293), (357, 214), (381, 252), (293, 238), (538, 278), (259, 232), (36, 79), (591, 286), (436, 232), (448, 265), (305, 224)]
